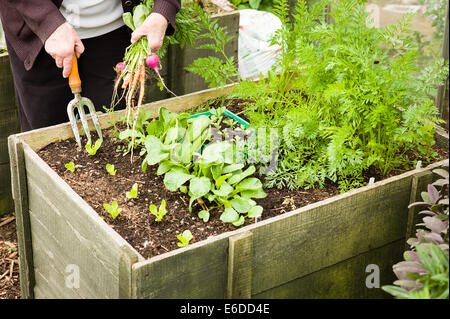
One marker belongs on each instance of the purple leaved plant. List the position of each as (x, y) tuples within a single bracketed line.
[(424, 271)]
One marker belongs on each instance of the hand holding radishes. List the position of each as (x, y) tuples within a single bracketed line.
[(149, 29), (148, 35)]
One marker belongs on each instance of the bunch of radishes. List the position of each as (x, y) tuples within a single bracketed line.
[(131, 75)]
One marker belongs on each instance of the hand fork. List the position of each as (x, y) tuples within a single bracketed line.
[(79, 102)]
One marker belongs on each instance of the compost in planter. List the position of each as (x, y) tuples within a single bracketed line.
[(135, 223)]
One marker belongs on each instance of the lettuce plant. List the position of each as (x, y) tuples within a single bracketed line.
[(184, 238), (133, 193), (70, 166), (424, 273), (113, 209), (158, 213), (110, 169), (92, 150)]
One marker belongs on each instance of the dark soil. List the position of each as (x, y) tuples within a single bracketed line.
[(9, 259), (135, 223)]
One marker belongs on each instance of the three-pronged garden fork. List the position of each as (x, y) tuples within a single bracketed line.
[(78, 103)]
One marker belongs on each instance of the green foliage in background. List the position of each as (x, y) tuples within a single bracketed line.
[(435, 10), (263, 5)]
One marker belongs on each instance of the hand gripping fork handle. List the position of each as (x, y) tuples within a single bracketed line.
[(79, 102)]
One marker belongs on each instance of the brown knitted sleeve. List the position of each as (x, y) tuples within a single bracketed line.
[(169, 9), (41, 16)]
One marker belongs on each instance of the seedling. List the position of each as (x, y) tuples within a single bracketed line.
[(110, 169), (12, 249), (70, 166), (92, 150), (113, 209), (230, 122), (159, 214), (133, 192), (184, 238), (204, 214)]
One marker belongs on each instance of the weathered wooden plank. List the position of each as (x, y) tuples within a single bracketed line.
[(6, 200), (50, 268), (20, 194), (78, 234), (127, 258), (196, 271), (441, 137), (184, 82), (240, 266), (419, 184), (7, 93), (343, 224), (346, 279), (9, 124)]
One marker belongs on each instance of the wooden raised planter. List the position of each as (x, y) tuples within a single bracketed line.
[(9, 124), (318, 251)]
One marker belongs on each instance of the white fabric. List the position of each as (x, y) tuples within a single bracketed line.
[(92, 18), (256, 55)]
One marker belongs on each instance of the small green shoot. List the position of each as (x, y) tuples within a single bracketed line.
[(204, 214), (133, 192), (110, 169), (92, 150), (12, 249), (230, 122), (70, 166), (159, 214), (113, 209), (184, 239)]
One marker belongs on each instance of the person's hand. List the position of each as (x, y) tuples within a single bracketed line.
[(61, 45), (154, 28)]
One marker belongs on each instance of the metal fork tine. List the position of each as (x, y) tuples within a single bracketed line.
[(94, 117), (73, 122), (83, 119)]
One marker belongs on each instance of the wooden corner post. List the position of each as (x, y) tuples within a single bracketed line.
[(20, 195), (419, 184), (240, 265)]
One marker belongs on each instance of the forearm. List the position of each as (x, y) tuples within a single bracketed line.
[(169, 9), (41, 16)]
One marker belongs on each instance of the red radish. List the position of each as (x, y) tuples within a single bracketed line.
[(120, 67), (152, 61)]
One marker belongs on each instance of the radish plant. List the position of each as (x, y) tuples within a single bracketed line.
[(193, 162), (131, 71)]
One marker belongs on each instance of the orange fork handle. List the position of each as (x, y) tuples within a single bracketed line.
[(74, 77)]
